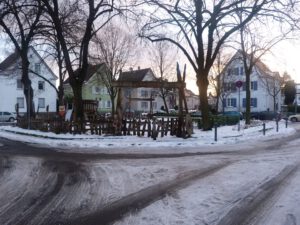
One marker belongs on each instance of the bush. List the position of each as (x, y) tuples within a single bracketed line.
[(219, 120)]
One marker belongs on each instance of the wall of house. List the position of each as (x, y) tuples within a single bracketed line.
[(9, 91), (264, 101)]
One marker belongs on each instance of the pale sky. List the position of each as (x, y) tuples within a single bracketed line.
[(284, 57)]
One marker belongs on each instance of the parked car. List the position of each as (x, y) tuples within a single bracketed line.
[(233, 113), (294, 118), (7, 117)]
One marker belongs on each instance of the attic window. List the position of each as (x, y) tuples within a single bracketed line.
[(41, 85)]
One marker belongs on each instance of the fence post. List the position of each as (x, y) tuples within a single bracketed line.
[(216, 132), (286, 123), (277, 127), (264, 128)]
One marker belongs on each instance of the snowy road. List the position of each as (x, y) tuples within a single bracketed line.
[(259, 185)]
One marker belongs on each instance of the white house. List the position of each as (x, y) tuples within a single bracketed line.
[(297, 97), (265, 87), (11, 88)]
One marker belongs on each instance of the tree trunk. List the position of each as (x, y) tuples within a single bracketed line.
[(78, 104), (61, 94), (28, 91), (112, 105), (202, 84)]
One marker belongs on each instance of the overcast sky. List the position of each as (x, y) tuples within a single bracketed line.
[(284, 57)]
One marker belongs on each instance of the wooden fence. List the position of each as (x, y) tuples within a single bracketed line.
[(139, 127)]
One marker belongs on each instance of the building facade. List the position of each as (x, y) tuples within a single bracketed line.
[(264, 84), (138, 99), (11, 87), (93, 88)]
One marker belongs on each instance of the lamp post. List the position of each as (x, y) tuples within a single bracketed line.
[(239, 84)]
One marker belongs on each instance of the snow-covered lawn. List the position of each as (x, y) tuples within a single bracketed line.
[(225, 135)]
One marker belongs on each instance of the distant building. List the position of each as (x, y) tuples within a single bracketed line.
[(262, 80), (137, 99), (11, 87), (191, 99), (93, 87)]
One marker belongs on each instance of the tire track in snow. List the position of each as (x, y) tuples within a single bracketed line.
[(242, 212), (143, 198)]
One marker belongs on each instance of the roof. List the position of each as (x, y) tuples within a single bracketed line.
[(263, 68), (92, 69), (11, 59), (134, 75)]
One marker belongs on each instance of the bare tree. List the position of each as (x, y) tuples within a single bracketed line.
[(274, 84), (253, 48), (115, 47), (163, 59), (195, 25), (94, 14), (20, 20), (218, 79)]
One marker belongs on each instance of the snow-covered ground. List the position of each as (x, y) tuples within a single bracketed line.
[(92, 143), (202, 200)]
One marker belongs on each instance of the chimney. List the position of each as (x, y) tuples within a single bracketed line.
[(131, 69), (139, 67)]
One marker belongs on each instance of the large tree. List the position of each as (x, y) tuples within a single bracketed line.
[(193, 29), (114, 47), (20, 20), (92, 16)]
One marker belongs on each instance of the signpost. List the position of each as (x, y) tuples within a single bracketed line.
[(239, 84)]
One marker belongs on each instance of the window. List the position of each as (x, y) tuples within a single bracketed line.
[(41, 103), (144, 93), (41, 85), (20, 102), (19, 84), (96, 90), (241, 71), (253, 102), (144, 105), (37, 68), (254, 85), (231, 102), (108, 104)]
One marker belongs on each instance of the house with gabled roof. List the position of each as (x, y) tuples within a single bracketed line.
[(11, 87), (93, 87), (137, 99), (263, 83)]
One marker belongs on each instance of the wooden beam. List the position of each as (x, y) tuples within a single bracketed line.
[(148, 84)]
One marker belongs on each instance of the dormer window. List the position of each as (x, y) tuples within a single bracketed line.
[(41, 85)]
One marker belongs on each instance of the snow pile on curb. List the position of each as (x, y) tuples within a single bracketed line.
[(225, 135)]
